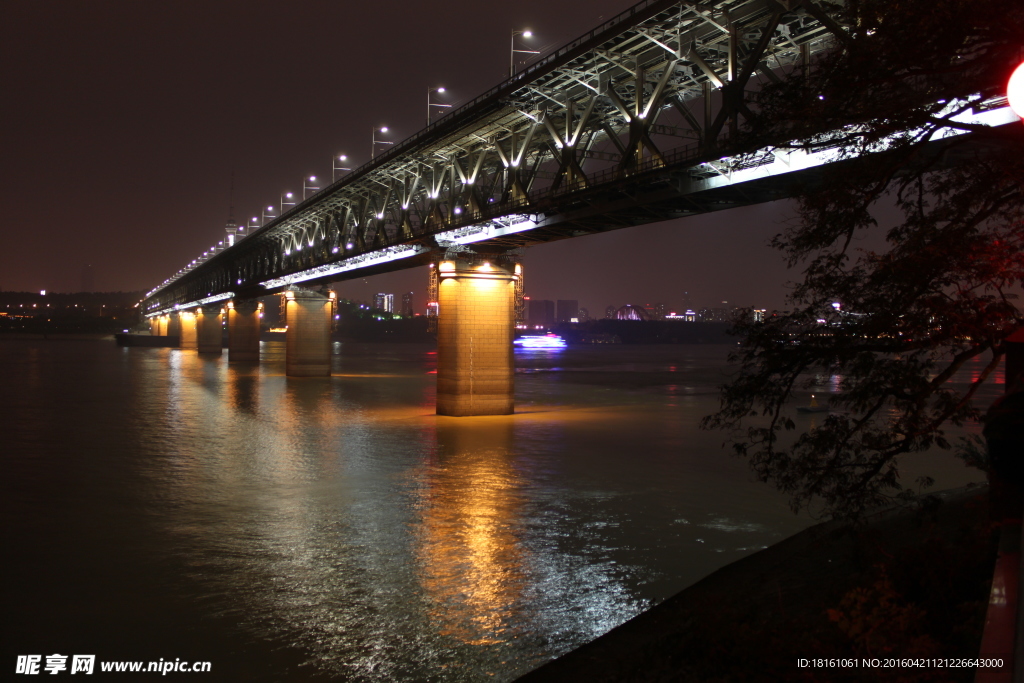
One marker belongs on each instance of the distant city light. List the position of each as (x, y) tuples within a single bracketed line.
[(42, 292)]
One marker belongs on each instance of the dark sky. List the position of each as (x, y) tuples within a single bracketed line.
[(123, 121)]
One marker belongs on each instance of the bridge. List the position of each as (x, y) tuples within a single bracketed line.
[(633, 123)]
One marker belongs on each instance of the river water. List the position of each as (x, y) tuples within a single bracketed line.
[(161, 505)]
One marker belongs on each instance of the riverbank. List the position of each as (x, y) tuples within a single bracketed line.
[(909, 583)]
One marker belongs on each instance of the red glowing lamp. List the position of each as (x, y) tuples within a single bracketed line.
[(1015, 91)]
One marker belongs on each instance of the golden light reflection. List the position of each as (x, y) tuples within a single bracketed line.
[(472, 564)]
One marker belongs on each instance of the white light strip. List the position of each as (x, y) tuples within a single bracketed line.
[(193, 304), (479, 233), (363, 261), (798, 160)]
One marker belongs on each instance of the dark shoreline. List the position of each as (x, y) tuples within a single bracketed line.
[(788, 587)]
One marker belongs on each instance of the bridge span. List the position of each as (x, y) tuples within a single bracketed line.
[(633, 123)]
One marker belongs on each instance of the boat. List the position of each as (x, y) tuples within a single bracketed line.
[(813, 407)]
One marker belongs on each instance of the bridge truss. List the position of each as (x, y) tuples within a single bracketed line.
[(628, 124)]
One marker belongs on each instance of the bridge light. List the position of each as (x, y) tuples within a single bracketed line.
[(526, 33), (374, 141), (349, 245), (1015, 91)]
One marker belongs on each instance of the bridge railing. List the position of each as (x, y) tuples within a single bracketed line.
[(524, 75)]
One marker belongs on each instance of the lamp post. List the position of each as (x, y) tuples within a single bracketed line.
[(374, 141), (267, 212), (430, 91), (253, 225), (287, 199), (307, 184), (512, 50), (338, 164)]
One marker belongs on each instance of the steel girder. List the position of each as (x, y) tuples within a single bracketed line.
[(584, 140)]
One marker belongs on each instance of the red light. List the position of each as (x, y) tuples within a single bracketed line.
[(1015, 91)]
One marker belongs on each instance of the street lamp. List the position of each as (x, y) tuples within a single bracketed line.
[(430, 91), (512, 50), (287, 199), (307, 184), (338, 164), (252, 225), (267, 212), (374, 141)]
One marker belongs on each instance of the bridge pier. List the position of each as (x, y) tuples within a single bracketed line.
[(172, 326), (244, 331), (475, 328), (210, 329), (187, 332), (308, 339)]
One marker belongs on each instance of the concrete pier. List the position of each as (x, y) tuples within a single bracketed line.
[(308, 340), (164, 325), (186, 323), (244, 331), (210, 329), (475, 328)]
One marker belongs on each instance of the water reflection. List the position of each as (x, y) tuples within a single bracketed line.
[(470, 505), (243, 383), (338, 524)]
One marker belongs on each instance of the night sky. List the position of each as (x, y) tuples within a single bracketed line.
[(124, 120)]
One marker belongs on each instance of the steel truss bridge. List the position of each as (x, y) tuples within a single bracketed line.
[(628, 124)]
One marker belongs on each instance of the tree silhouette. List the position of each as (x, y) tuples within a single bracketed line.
[(940, 293)]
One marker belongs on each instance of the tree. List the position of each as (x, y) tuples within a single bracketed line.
[(943, 289)]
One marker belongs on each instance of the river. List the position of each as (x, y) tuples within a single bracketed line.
[(160, 505)]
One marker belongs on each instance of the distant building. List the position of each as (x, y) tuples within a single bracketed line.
[(656, 311), (566, 310), (609, 312), (541, 312), (384, 302), (584, 315), (407, 307), (718, 314)]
